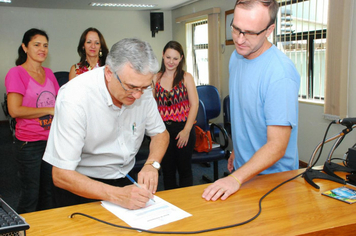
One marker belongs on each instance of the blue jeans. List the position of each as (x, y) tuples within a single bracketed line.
[(35, 177)]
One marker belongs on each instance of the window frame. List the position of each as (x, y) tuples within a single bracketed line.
[(197, 47), (310, 37)]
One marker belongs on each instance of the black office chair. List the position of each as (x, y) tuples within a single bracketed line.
[(215, 154), (62, 77), (12, 121)]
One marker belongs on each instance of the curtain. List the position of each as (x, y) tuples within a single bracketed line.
[(338, 57), (214, 42), (214, 51)]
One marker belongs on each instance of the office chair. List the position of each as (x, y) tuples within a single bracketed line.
[(12, 121), (226, 114), (210, 96), (62, 77), (215, 154)]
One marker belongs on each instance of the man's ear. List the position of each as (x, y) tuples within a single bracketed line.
[(270, 29), (108, 73)]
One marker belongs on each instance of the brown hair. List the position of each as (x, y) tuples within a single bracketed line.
[(271, 4), (179, 74), (103, 47)]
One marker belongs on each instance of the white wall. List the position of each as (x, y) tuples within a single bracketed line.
[(312, 125), (64, 28)]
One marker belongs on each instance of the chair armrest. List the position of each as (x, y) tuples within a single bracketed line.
[(224, 133), (227, 126)]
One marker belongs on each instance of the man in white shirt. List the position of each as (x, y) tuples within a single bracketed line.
[(100, 120)]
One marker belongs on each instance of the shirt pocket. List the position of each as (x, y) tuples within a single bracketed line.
[(138, 132)]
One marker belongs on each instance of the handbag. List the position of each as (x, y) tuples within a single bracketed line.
[(203, 141)]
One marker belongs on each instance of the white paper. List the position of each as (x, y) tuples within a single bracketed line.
[(153, 215)]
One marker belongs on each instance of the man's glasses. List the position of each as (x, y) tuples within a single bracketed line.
[(248, 35), (134, 90)]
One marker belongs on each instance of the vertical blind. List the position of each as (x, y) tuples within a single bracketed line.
[(301, 35)]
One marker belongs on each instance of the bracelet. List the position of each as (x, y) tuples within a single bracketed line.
[(236, 179)]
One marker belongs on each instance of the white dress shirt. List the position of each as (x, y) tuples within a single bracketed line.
[(92, 136)]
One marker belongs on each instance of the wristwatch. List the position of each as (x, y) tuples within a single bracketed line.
[(155, 164)]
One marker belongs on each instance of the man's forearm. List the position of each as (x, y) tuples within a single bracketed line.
[(158, 146), (81, 185), (267, 155)]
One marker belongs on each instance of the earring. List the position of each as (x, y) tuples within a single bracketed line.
[(100, 53)]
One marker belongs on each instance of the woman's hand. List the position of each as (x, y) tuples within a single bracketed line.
[(183, 137)]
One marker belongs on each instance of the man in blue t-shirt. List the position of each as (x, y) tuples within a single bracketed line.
[(263, 88)]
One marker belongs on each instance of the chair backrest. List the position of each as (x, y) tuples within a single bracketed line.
[(62, 77), (201, 119), (4, 106), (211, 98), (12, 121)]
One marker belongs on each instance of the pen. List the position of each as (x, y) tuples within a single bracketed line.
[(135, 183), (133, 132)]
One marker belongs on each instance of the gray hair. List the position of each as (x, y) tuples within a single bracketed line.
[(134, 51)]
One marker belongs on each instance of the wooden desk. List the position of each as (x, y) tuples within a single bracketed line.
[(295, 208)]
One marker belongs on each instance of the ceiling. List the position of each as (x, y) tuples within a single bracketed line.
[(84, 4)]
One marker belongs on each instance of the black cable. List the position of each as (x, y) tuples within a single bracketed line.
[(341, 139), (192, 232), (322, 144), (346, 161)]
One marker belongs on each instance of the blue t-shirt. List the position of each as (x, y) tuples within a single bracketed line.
[(263, 91)]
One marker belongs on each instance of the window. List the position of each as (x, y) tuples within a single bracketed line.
[(300, 33), (197, 51)]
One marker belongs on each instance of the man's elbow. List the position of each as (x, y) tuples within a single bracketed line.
[(166, 135), (280, 151), (57, 177)]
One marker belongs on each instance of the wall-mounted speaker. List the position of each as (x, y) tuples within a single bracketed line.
[(157, 22)]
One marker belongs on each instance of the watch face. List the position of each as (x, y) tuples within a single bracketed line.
[(156, 165)]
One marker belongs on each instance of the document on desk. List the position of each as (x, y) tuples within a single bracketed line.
[(153, 215)]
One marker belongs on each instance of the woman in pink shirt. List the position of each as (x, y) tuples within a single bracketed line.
[(31, 95)]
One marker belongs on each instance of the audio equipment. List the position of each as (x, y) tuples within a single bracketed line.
[(157, 22)]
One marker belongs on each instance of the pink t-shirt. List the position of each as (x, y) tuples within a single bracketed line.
[(34, 94)]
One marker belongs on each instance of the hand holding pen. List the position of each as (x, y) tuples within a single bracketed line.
[(135, 183)]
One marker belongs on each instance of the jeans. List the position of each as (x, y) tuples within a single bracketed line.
[(35, 177), (178, 159)]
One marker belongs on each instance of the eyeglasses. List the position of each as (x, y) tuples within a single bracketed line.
[(248, 35), (134, 90)]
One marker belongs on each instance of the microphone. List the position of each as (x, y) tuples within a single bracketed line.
[(346, 121)]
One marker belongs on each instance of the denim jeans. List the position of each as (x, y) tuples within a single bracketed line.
[(35, 177), (178, 159)]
